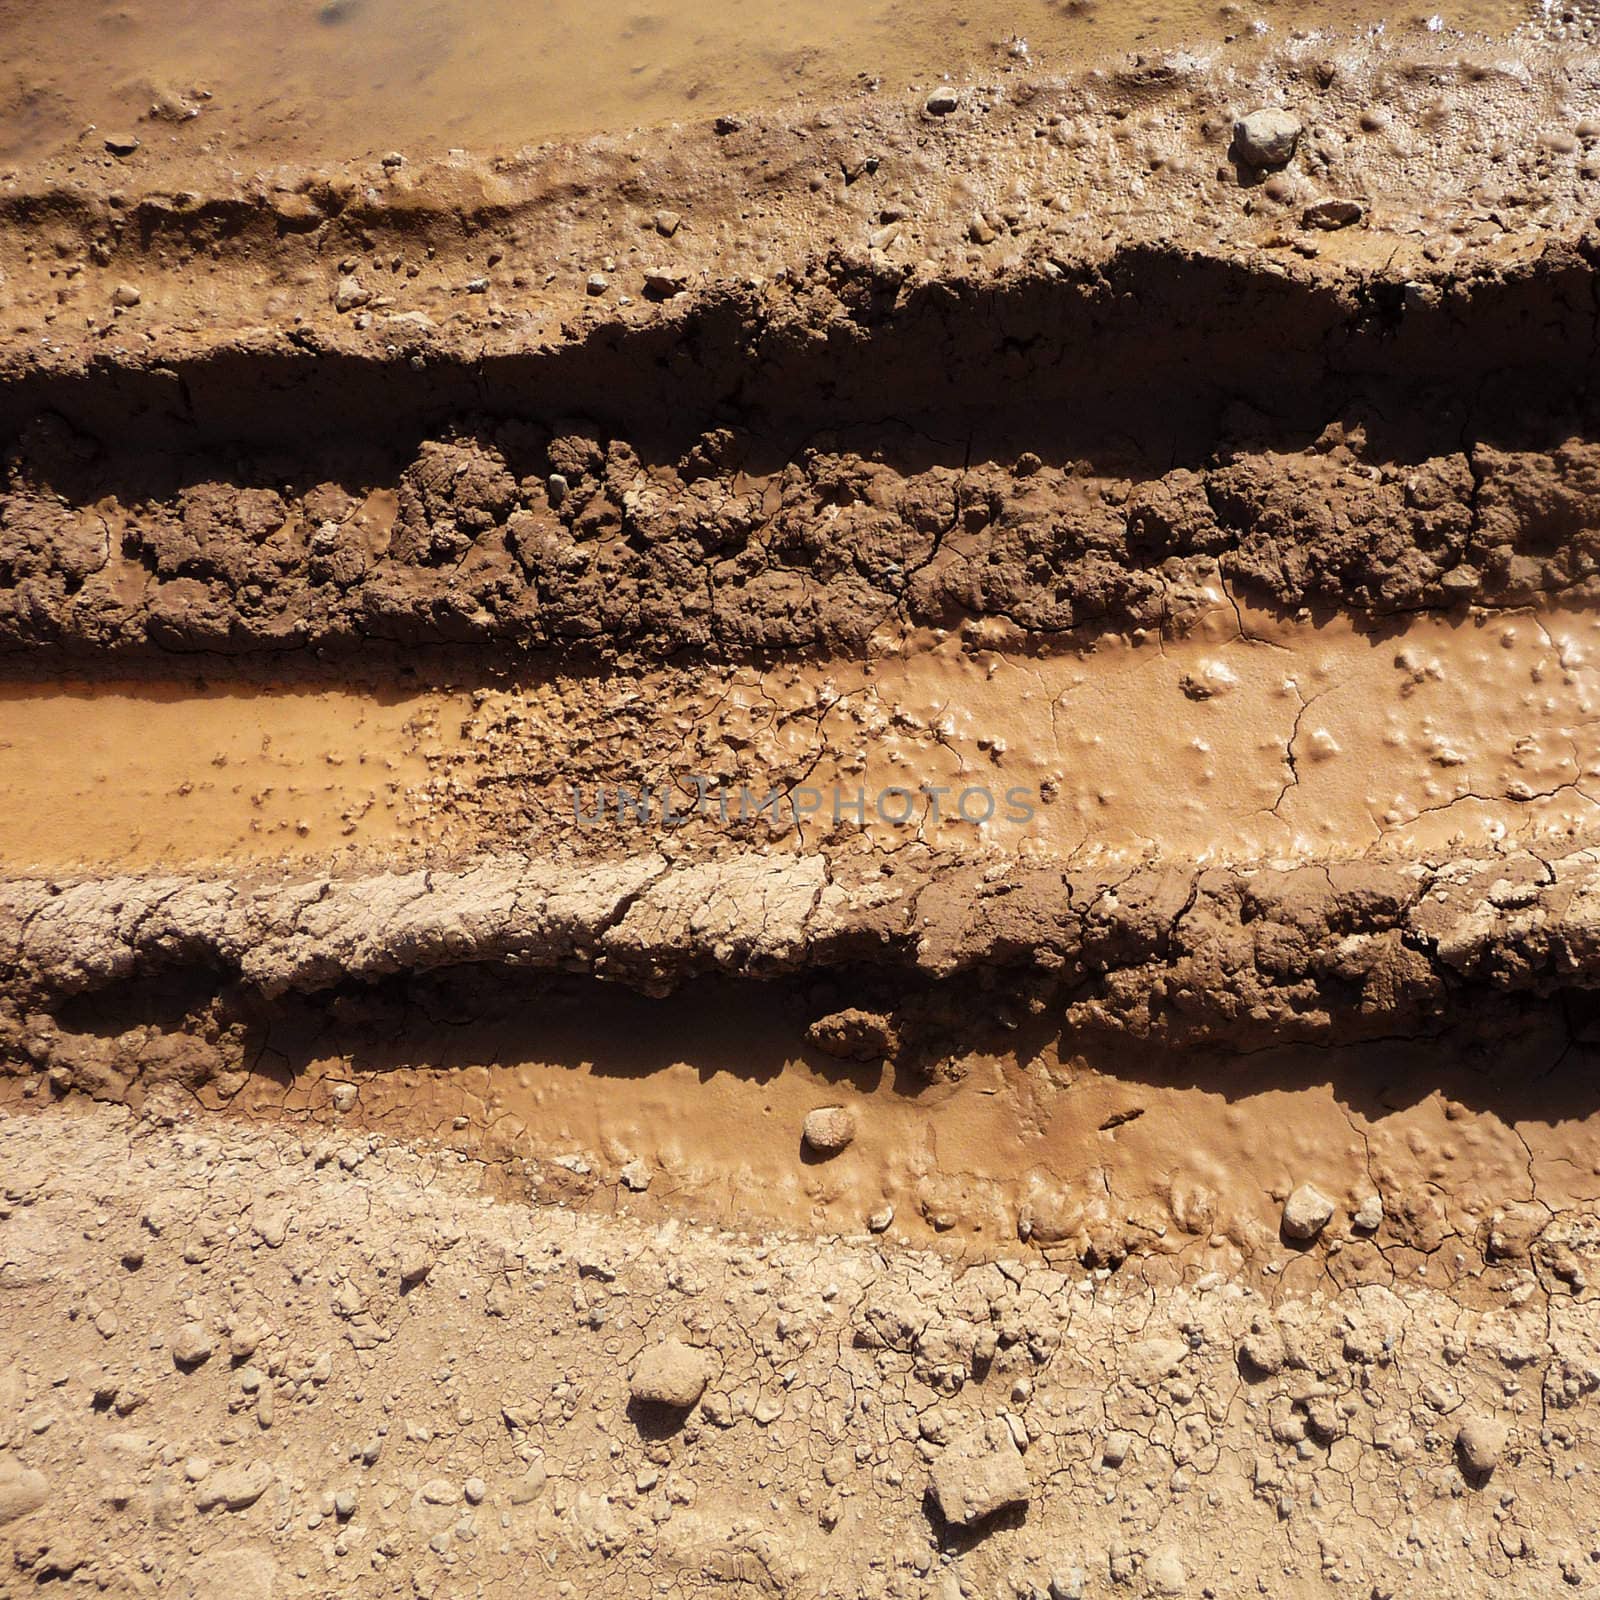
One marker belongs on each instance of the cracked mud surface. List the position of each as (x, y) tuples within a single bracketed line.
[(492, 1100), (1240, 738), (356, 1372)]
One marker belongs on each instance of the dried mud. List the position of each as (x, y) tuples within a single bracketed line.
[(360, 1374), (1179, 1177)]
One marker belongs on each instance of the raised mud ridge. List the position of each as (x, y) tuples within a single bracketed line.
[(914, 953), (518, 536), (1056, 361)]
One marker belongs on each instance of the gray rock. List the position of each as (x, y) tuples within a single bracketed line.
[(1368, 1216), (981, 1472), (125, 295), (941, 102), (1306, 1212), (829, 1129), (1266, 138), (1067, 1582), (671, 1374), (193, 1346)]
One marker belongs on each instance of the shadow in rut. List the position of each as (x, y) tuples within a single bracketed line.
[(1523, 1058), (469, 1018)]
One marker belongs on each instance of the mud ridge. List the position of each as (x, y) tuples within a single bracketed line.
[(550, 533), (995, 364), (1243, 958)]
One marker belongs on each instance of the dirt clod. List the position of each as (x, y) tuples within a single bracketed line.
[(829, 1129), (22, 1491), (1480, 1443), (1331, 215), (234, 1488), (671, 1374), (979, 1473)]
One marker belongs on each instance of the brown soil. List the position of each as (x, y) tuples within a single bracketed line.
[(848, 850), (1243, 737), (286, 1365)]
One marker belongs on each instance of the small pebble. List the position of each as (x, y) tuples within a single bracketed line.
[(829, 1129), (1266, 138), (1306, 1212), (193, 1345)]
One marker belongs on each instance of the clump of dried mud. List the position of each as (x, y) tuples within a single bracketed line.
[(411, 1185)]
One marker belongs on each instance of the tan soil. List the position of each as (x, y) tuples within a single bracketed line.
[(269, 1365), (345, 76), (1245, 738), (1210, 1184)]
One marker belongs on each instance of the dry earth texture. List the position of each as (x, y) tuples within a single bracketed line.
[(478, 1116)]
